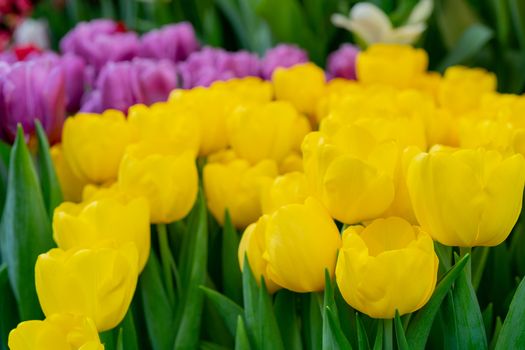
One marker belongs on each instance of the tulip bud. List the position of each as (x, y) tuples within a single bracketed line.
[(282, 55), (252, 246), (301, 243), (94, 144), (237, 186), (302, 85), (350, 173), (263, 131), (57, 332), (174, 42), (341, 63), (377, 264), (168, 181), (104, 221), (286, 189), (251, 90), (70, 184), (395, 65), (466, 198), (98, 283)]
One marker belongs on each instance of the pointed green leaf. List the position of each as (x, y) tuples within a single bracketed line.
[(250, 296), (48, 179), (402, 343), (469, 321), (241, 338), (420, 325), (512, 335), (488, 315), (330, 340), (286, 315), (228, 309), (158, 312), (127, 333), (231, 272), (340, 340), (378, 343), (496, 333), (8, 311), (271, 337), (25, 231), (120, 340), (362, 338), (5, 150), (190, 310)]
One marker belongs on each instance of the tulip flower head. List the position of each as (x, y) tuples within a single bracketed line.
[(386, 266), (57, 332), (98, 283), (466, 198)]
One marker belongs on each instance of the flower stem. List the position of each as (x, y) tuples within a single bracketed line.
[(387, 329), (166, 260)]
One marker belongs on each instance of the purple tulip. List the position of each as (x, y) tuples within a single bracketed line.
[(32, 90), (174, 42), (341, 63), (101, 41), (123, 84), (210, 64), (281, 56)]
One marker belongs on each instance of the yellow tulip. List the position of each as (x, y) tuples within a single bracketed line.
[(252, 246), (351, 173), (70, 184), (489, 134), (98, 283), (263, 131), (301, 243), (302, 85), (57, 332), (286, 189), (250, 89), (94, 144), (103, 221), (210, 108), (291, 163), (237, 186), (466, 198), (168, 181), (395, 65), (385, 266), (462, 88), (161, 120)]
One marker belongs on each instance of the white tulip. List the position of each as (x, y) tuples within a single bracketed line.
[(372, 25)]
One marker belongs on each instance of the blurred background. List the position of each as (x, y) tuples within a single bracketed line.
[(485, 33)]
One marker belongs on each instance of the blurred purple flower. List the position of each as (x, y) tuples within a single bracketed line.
[(123, 84), (174, 42), (341, 63), (210, 64), (283, 55), (32, 90), (100, 41)]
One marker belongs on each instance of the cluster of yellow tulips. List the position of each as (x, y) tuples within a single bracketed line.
[(396, 160)]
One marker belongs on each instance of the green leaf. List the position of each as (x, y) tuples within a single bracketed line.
[(421, 323), (286, 315), (479, 259), (241, 338), (468, 320), (362, 338), (496, 333), (250, 297), (512, 335), (333, 336), (127, 333), (5, 150), (270, 335), (48, 178), (488, 315), (190, 310), (231, 272), (205, 345), (120, 341), (158, 312), (227, 308), (402, 343), (469, 45), (8, 311), (517, 11), (378, 343), (453, 18), (25, 231)]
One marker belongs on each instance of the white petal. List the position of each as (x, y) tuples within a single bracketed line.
[(370, 13), (32, 31), (406, 34), (421, 12)]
